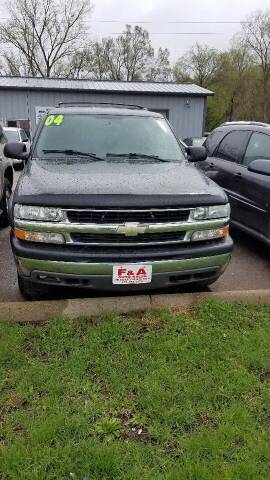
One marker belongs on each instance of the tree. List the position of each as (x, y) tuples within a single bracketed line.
[(233, 74), (14, 65), (101, 60), (256, 37), (137, 51), (200, 63), (126, 57), (43, 35), (181, 71), (159, 69), (107, 60), (232, 85)]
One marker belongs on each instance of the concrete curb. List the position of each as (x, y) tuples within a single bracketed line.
[(38, 312), (189, 299)]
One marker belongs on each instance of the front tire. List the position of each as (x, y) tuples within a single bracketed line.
[(4, 222), (31, 290)]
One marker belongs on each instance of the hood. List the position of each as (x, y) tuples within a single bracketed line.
[(84, 178)]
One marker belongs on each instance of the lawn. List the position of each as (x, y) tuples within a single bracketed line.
[(158, 396)]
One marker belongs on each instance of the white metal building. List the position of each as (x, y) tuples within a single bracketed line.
[(22, 99)]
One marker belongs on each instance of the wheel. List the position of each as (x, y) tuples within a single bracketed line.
[(4, 222), (31, 290)]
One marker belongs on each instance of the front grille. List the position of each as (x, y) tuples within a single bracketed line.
[(126, 254), (116, 238), (122, 216)]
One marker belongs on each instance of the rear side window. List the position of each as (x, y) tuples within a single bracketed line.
[(232, 146), (212, 141), (258, 147)]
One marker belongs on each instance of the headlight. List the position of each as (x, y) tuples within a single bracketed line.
[(208, 213), (210, 234), (42, 214), (40, 237)]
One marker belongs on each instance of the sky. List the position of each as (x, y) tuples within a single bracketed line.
[(110, 17), (158, 12)]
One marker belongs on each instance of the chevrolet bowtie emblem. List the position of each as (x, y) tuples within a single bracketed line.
[(131, 229)]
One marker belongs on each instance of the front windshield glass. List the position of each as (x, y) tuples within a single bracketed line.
[(107, 134), (12, 135)]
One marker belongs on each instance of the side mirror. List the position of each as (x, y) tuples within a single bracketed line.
[(16, 151), (260, 166), (196, 154)]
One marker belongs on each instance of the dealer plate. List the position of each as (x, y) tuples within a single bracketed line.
[(127, 274)]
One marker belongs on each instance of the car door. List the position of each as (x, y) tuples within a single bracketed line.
[(224, 165), (254, 199), (211, 143), (3, 163)]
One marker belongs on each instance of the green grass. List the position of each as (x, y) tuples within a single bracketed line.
[(160, 396)]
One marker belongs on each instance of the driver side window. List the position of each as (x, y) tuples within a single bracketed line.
[(258, 147)]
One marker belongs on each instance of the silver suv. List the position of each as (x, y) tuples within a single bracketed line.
[(6, 182)]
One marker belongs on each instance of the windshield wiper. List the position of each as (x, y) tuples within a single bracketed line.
[(137, 155), (75, 152)]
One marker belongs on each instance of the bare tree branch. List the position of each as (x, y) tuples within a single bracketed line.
[(45, 33), (126, 57), (200, 62)]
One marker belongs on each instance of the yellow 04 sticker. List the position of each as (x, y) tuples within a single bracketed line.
[(54, 120)]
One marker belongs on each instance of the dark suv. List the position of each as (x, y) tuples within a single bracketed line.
[(239, 161), (107, 200)]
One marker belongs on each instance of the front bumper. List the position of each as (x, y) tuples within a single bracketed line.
[(98, 276)]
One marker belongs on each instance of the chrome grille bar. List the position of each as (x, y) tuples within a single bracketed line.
[(67, 229)]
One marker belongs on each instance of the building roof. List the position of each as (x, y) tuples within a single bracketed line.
[(149, 88), (99, 109)]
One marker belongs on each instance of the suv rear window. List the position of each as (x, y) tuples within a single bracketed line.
[(103, 134)]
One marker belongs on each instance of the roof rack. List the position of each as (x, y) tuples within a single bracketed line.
[(86, 104), (245, 122)]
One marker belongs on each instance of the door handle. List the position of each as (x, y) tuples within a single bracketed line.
[(238, 174), (211, 165)]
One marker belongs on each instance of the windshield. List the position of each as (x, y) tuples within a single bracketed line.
[(12, 135), (107, 135)]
